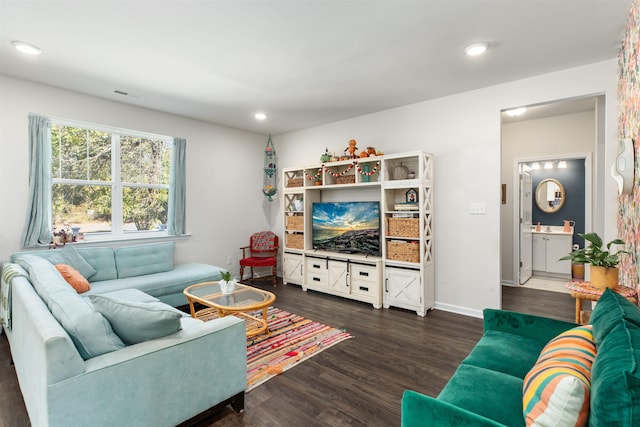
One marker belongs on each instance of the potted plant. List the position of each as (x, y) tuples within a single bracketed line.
[(227, 283), (604, 264)]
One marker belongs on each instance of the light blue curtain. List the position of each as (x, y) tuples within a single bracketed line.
[(177, 188), (38, 228)]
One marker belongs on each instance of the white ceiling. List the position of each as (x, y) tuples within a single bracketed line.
[(304, 62)]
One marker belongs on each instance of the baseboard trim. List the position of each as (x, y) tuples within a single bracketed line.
[(459, 310)]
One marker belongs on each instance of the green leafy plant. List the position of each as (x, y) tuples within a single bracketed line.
[(594, 253), (226, 276)]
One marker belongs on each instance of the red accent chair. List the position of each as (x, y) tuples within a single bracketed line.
[(263, 252)]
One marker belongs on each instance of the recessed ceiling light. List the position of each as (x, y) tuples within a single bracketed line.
[(28, 48), (476, 49), (516, 112), (260, 116)]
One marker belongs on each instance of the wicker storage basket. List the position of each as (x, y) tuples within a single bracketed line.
[(403, 227), (403, 251), (295, 182), (295, 241), (346, 179), (295, 222)]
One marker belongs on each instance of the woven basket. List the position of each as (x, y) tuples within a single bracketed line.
[(295, 241), (403, 251), (346, 179), (295, 222), (295, 182), (403, 227)]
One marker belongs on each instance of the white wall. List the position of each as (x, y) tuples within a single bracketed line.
[(536, 139), (224, 168), (463, 133)]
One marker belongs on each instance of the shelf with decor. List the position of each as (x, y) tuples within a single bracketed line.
[(407, 199), (400, 272)]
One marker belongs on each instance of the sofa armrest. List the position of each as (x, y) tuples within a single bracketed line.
[(419, 410), (526, 325), (161, 382)]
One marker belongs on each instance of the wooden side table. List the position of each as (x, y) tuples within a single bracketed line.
[(584, 291)]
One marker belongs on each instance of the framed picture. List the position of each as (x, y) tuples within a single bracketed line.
[(412, 196)]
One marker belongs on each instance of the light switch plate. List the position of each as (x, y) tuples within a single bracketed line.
[(477, 209)]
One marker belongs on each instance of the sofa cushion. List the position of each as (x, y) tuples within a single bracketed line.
[(135, 321), (556, 391), (615, 392), (69, 255), (144, 259), (73, 277), (492, 394), (103, 260), (89, 330), (161, 284), (505, 352)]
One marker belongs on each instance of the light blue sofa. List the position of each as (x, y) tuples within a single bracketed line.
[(74, 370)]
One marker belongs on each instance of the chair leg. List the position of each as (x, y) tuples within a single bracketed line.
[(251, 273), (275, 278), (241, 272)]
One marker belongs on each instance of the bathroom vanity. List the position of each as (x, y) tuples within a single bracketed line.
[(549, 245)]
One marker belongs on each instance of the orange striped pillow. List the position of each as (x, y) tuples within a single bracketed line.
[(556, 390)]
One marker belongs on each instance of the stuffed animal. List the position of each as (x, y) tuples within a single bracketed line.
[(352, 149)]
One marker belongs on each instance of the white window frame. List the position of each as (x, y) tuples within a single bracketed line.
[(117, 232)]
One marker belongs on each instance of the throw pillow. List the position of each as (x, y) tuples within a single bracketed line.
[(135, 321), (556, 390), (69, 255), (73, 277)]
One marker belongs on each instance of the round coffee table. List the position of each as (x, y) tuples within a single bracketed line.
[(241, 302)]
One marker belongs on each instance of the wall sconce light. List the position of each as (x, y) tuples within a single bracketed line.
[(622, 170), (562, 164), (535, 166), (548, 165)]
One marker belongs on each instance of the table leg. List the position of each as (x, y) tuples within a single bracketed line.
[(264, 317), (578, 309), (192, 308)]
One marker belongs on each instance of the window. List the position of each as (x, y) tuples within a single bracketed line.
[(109, 181)]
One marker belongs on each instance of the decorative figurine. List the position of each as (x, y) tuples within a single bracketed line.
[(352, 148), (326, 157)]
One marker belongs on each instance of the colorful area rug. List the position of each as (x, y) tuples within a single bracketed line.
[(292, 340)]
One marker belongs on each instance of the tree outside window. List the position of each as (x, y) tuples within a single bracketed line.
[(107, 181)]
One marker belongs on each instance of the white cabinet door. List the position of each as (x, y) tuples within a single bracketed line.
[(338, 277), (557, 247), (402, 288), (293, 268), (539, 252)]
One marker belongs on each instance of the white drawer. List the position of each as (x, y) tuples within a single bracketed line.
[(365, 288), (364, 273)]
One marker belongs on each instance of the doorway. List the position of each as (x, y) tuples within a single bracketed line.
[(558, 131), (551, 191)]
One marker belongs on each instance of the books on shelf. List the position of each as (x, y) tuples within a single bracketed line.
[(403, 214), (408, 206)]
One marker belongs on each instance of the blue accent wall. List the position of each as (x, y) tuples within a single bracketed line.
[(572, 178)]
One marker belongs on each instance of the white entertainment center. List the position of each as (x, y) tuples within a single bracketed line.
[(403, 274)]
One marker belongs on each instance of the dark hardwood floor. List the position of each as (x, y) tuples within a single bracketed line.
[(358, 382)]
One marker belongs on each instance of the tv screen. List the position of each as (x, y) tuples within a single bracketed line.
[(349, 227)]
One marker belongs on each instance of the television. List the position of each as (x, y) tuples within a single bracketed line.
[(347, 227)]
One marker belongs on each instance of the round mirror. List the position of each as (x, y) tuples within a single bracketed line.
[(550, 195)]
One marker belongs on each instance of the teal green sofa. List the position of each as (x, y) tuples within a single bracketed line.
[(487, 388), (119, 356)]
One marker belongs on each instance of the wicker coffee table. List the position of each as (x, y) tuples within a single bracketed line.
[(581, 290), (243, 300)]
